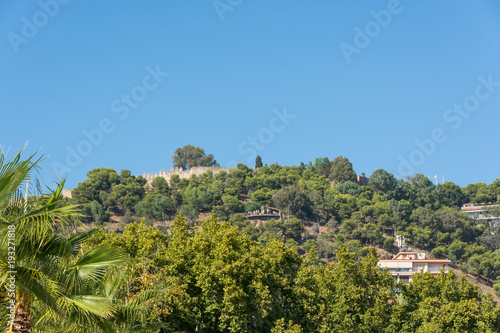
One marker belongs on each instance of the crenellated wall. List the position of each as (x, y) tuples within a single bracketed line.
[(182, 173)]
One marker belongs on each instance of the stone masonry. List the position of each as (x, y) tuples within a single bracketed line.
[(182, 173)]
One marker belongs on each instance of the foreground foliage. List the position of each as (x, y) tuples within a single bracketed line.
[(359, 213), (53, 282), (225, 274), (214, 278)]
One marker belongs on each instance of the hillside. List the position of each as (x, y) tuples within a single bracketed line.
[(299, 253), (322, 205)]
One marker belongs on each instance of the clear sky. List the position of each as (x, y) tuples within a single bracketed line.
[(407, 86)]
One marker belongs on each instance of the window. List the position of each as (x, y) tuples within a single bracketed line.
[(419, 267), (435, 268)]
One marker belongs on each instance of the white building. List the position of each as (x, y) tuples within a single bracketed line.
[(479, 212), (405, 264)]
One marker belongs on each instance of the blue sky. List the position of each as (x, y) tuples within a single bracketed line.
[(407, 86)]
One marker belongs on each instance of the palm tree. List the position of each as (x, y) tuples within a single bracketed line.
[(53, 279)]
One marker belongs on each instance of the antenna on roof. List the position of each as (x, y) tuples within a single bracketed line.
[(400, 239)]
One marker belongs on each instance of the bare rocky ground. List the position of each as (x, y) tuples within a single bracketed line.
[(481, 283)]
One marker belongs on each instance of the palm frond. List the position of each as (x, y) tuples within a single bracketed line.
[(132, 317), (36, 283), (13, 173), (93, 264), (112, 282), (84, 305), (78, 238)]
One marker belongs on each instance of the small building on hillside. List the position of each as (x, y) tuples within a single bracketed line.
[(406, 263), (480, 212)]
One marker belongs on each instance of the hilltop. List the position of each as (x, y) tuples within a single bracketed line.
[(322, 204)]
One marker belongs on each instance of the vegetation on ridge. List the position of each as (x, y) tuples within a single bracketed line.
[(227, 274)]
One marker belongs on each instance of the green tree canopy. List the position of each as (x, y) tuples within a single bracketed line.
[(341, 170), (190, 156), (382, 181), (452, 195), (292, 200), (444, 304), (99, 180), (258, 161)]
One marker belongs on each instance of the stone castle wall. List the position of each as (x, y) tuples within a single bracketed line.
[(67, 193), (182, 173)]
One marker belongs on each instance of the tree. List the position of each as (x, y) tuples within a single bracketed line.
[(49, 276), (420, 181), (190, 156), (263, 196), (496, 286), (124, 196), (456, 250), (115, 193), (146, 247), (350, 188), (389, 244), (321, 166), (272, 229), (236, 178), (99, 180), (232, 204), (452, 195), (341, 170), (294, 228), (219, 280), (258, 162), (478, 193), (456, 223), (343, 205), (98, 213), (443, 303), (425, 217), (382, 181), (319, 206), (282, 327), (422, 192), (348, 296), (291, 199), (155, 207), (160, 186), (494, 189), (244, 225)]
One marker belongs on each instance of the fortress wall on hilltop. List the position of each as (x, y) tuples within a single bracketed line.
[(182, 173)]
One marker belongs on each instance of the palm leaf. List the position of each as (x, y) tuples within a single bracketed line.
[(84, 305), (14, 173), (36, 283), (93, 264), (63, 291)]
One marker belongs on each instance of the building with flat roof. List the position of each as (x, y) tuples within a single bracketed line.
[(406, 263), (480, 212)]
